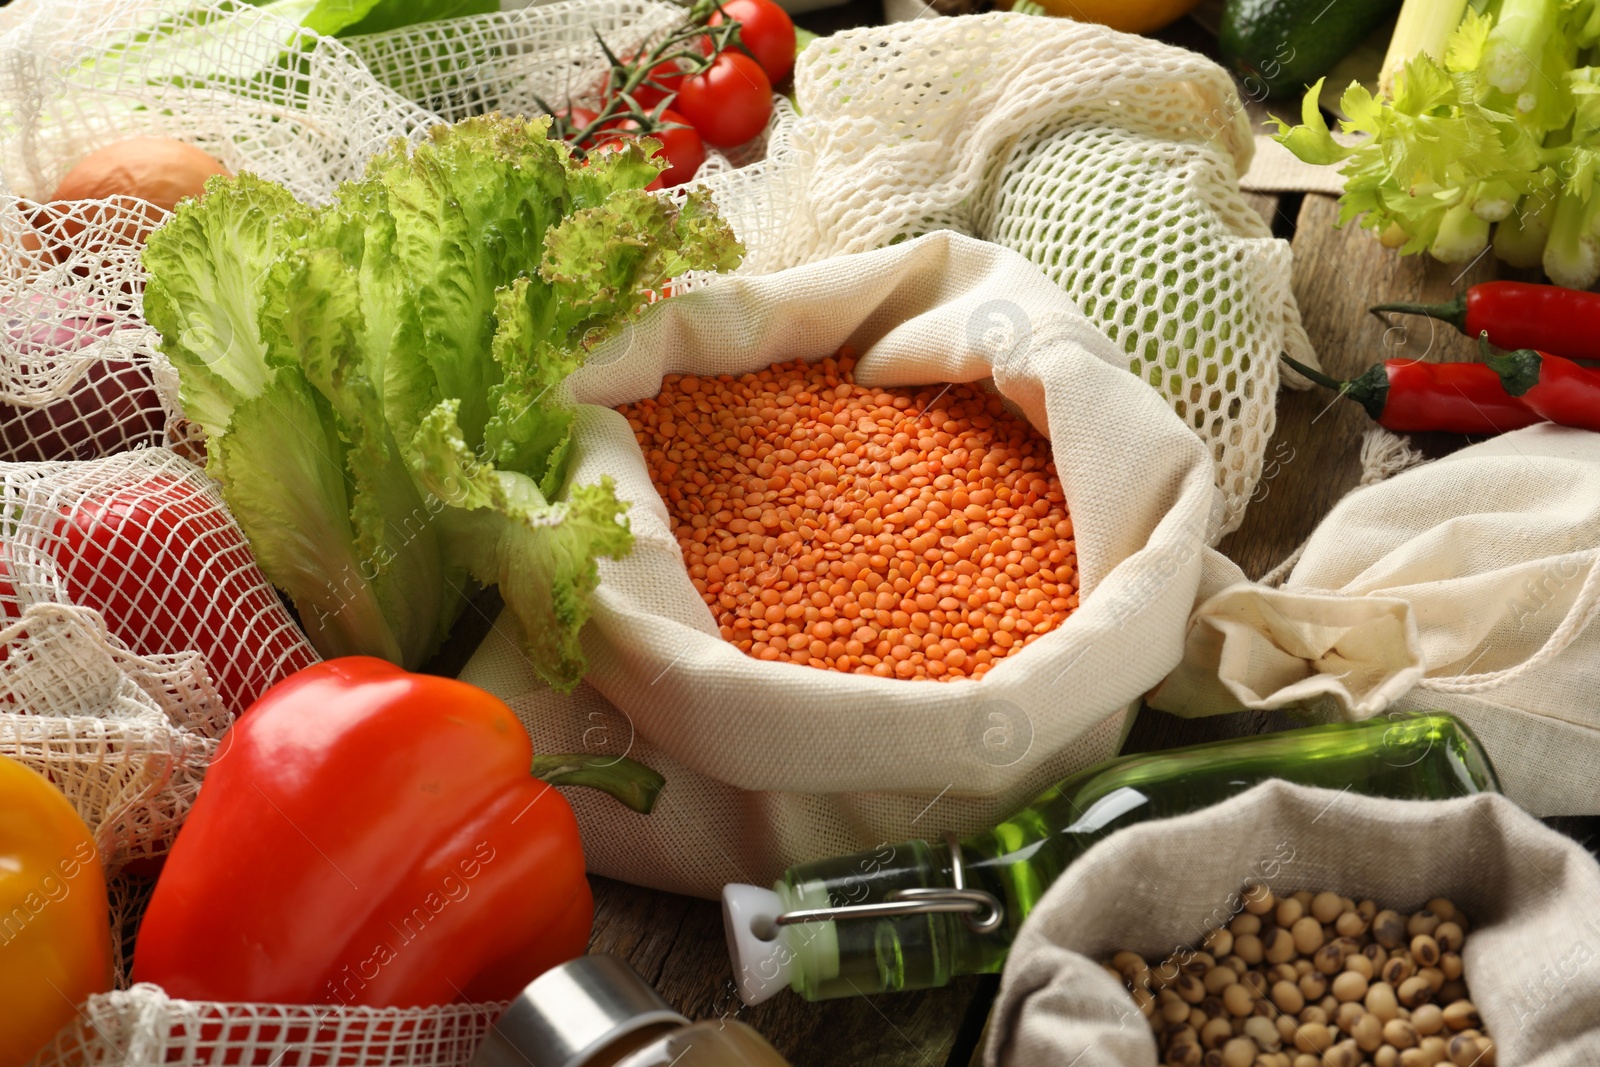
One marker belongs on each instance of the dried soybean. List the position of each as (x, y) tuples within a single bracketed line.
[(1314, 981)]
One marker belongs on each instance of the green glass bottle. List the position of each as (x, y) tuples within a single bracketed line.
[(1425, 756)]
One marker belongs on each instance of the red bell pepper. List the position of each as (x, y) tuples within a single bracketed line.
[(369, 836)]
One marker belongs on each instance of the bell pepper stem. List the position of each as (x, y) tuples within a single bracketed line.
[(630, 782), (1454, 312)]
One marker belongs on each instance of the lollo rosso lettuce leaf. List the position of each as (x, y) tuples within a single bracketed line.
[(381, 378)]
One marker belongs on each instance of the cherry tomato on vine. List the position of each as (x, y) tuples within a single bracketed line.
[(576, 118), (766, 30), (730, 103), (667, 74), (680, 146)]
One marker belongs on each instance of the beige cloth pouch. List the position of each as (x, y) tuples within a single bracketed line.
[(1532, 894), (1468, 584), (771, 764)]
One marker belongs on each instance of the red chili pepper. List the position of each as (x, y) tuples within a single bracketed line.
[(1409, 396), (1549, 318), (1551, 386), (369, 836)]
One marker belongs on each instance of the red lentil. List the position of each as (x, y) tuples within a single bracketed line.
[(906, 533)]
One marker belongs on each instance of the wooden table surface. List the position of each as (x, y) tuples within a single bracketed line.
[(1313, 459)]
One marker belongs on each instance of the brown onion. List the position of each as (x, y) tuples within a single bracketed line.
[(158, 170)]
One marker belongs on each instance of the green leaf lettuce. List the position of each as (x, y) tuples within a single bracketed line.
[(381, 378)]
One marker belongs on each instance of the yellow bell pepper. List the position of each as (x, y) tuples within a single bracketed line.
[(55, 923), (1130, 16)]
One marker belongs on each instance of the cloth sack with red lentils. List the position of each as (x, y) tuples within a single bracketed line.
[(773, 763)]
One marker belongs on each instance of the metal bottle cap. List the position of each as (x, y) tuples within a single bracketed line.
[(572, 1011)]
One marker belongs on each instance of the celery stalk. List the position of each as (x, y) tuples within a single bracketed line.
[(1520, 239), (1423, 26), (1484, 108), (1516, 44), (1493, 200), (1571, 257), (1461, 237)]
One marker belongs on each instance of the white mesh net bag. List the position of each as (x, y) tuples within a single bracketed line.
[(80, 375), (510, 60), (256, 92), (141, 1026), (77, 386), (137, 625), (1109, 160), (143, 538), (126, 738)]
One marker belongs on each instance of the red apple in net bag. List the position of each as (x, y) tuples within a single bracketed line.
[(155, 553)]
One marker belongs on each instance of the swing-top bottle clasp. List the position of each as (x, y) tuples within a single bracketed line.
[(981, 910)]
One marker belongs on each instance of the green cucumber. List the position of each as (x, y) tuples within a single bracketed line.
[(1279, 47)]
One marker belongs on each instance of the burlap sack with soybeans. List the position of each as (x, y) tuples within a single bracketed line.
[(1529, 892), (1110, 163), (1470, 584)]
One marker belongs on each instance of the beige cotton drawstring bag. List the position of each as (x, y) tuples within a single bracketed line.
[(769, 764), (1470, 584)]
